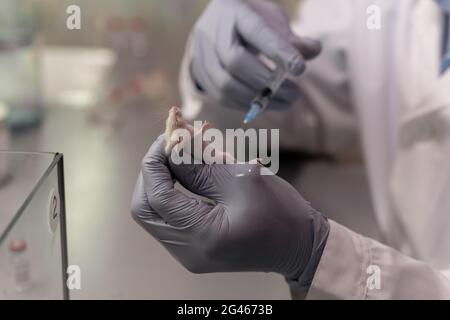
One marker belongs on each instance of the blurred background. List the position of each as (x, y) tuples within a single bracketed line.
[(100, 96)]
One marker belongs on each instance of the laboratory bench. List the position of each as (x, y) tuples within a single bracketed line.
[(117, 259)]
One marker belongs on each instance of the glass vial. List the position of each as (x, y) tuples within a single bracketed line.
[(20, 265)]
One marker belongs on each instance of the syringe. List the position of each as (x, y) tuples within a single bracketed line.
[(261, 102)]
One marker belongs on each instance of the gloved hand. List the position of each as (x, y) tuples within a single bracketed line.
[(226, 42), (256, 223)]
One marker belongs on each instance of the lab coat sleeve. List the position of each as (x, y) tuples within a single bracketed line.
[(322, 120), (355, 267)]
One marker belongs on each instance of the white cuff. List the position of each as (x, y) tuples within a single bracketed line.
[(341, 273)]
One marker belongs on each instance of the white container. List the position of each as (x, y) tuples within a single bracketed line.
[(73, 76)]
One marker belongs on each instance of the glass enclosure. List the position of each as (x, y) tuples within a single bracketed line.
[(33, 257)]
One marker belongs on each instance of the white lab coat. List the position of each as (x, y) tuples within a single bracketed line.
[(385, 85)]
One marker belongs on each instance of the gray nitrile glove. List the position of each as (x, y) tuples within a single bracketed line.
[(258, 223), (226, 42)]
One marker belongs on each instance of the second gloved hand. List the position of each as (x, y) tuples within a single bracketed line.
[(226, 43), (256, 223)]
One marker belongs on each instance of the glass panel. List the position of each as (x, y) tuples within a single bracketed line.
[(32, 231), (19, 174)]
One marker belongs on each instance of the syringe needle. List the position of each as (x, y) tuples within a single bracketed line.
[(260, 103)]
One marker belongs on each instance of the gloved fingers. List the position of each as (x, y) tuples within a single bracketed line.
[(140, 208), (192, 246), (250, 70), (188, 240), (147, 217), (216, 81), (156, 153), (174, 207), (209, 180), (260, 35), (164, 231), (246, 67), (205, 180), (308, 47), (199, 71)]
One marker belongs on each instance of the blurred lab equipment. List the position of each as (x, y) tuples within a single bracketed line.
[(19, 63), (127, 37), (115, 36), (139, 43), (73, 76)]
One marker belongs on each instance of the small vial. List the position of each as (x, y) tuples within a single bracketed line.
[(20, 265)]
